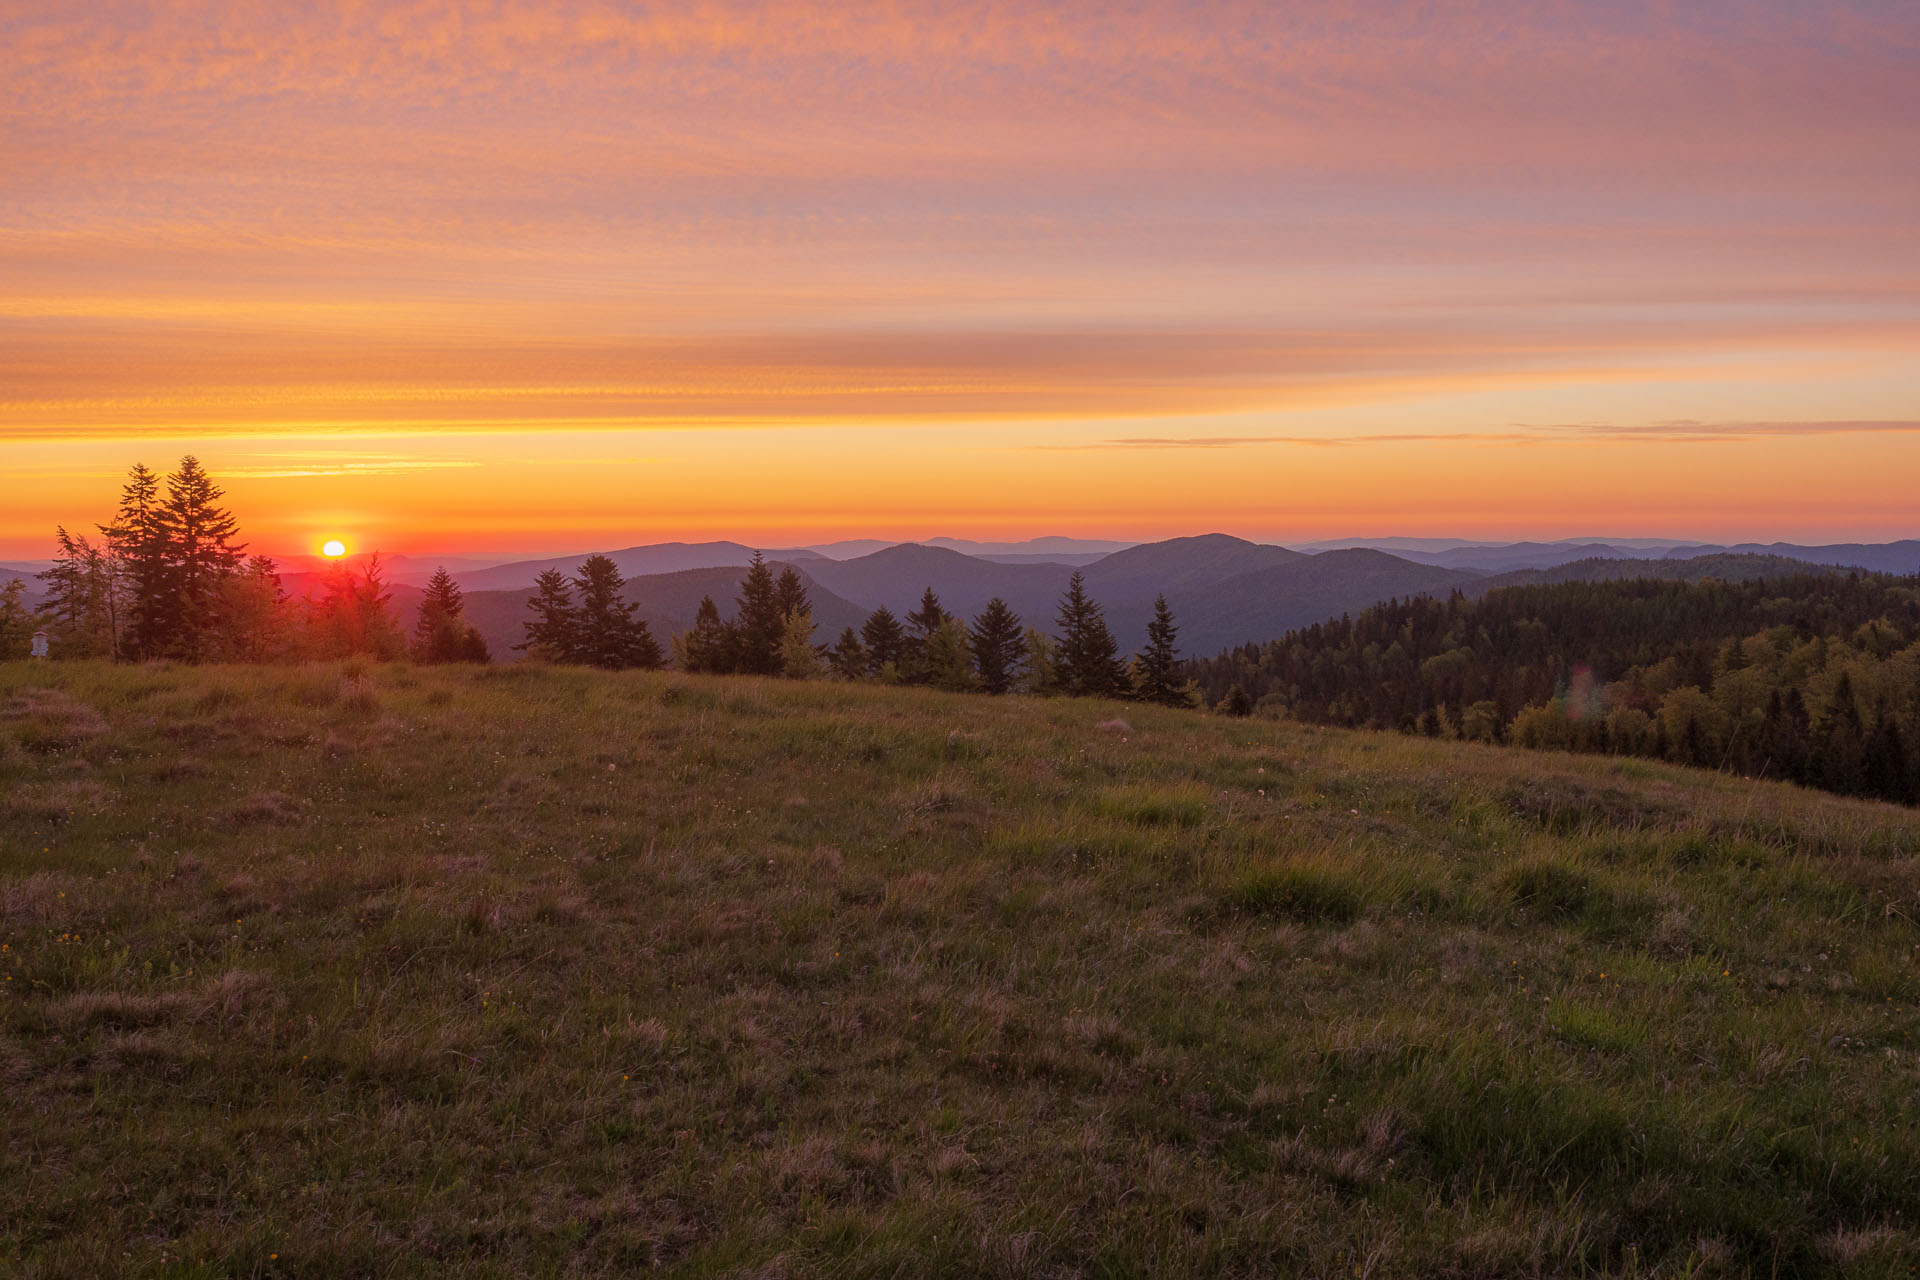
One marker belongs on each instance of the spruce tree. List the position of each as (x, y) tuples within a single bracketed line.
[(16, 621), (848, 657), (1040, 673), (354, 616), (1884, 770), (948, 658), (884, 639), (758, 623), (996, 644), (550, 632), (1088, 662), (75, 609), (799, 659), (201, 554), (1839, 742), (140, 537), (922, 625), (605, 631), (708, 647), (254, 605), (1154, 679), (437, 631), (790, 594)]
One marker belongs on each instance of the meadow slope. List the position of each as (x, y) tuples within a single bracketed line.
[(357, 971)]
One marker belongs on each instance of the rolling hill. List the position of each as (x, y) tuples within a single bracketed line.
[(522, 971), (633, 562)]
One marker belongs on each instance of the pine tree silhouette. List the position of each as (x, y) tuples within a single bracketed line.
[(1154, 675), (758, 623), (996, 641), (550, 632), (709, 646), (884, 639), (922, 625), (1088, 661), (200, 553), (848, 657), (141, 538), (605, 631), (440, 632)]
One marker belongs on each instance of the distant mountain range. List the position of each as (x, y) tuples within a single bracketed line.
[(1224, 591)]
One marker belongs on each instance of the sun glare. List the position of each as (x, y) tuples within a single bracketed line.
[(333, 548)]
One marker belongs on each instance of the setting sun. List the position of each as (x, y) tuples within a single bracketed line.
[(333, 549)]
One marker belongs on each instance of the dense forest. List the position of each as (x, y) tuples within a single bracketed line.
[(1813, 678)]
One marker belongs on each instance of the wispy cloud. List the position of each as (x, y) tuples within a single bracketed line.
[(1678, 432)]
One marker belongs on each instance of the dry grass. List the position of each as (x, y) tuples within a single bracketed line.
[(383, 971)]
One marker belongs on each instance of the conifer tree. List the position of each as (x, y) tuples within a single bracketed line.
[(353, 615), (922, 625), (926, 619), (884, 639), (948, 658), (758, 624), (550, 632), (1885, 771), (441, 632), (1088, 661), (708, 647), (605, 632), (140, 539), (848, 657), (799, 660), (75, 609), (201, 553), (1041, 671), (1154, 676), (1839, 742), (790, 594), (253, 604), (16, 621), (996, 644)]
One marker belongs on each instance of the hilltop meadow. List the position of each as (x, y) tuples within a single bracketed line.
[(372, 970)]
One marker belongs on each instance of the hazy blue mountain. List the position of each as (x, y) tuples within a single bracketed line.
[(1882, 557), (897, 576), (1072, 559), (1529, 555), (412, 570), (1727, 567), (1051, 550), (1268, 602), (1181, 564), (633, 562)]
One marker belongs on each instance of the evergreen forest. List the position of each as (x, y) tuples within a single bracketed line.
[(1813, 678)]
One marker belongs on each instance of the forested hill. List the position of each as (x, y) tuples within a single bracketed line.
[(1730, 568), (1813, 678)]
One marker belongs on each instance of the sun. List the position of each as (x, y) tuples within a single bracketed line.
[(333, 548)]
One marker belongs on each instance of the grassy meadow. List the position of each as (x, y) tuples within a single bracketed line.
[(377, 971)]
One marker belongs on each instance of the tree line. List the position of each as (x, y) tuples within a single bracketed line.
[(771, 633), (1813, 678), (168, 578)]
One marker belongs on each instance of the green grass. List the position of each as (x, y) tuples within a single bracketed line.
[(380, 970)]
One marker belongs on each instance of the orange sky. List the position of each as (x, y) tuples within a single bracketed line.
[(548, 276)]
